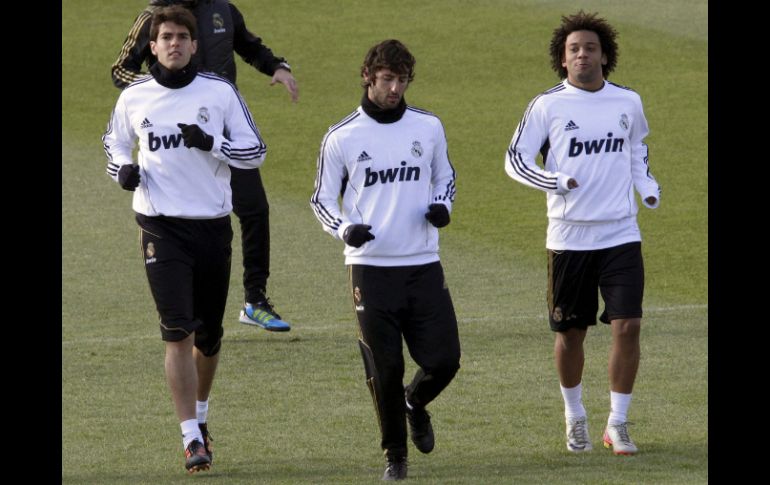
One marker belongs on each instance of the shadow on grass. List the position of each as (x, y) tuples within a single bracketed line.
[(656, 463)]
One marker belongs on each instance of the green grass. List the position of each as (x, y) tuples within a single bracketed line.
[(294, 408)]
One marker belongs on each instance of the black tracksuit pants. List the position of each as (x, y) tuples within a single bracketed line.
[(250, 205), (412, 302)]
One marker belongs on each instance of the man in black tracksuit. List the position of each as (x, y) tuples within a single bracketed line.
[(222, 31)]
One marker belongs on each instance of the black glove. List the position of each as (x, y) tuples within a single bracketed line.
[(194, 137), (438, 215), (357, 234), (128, 177)]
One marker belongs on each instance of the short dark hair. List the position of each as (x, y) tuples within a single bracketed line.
[(584, 21), (388, 54), (176, 14)]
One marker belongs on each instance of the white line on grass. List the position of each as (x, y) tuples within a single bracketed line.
[(310, 328)]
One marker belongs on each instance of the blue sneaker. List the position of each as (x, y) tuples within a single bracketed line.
[(263, 315)]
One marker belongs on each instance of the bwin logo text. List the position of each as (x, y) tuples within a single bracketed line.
[(171, 141), (595, 146), (402, 174)]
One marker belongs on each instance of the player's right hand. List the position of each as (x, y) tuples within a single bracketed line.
[(357, 234), (128, 177)]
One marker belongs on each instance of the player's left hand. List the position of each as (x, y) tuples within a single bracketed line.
[(438, 215), (194, 137), (287, 79)]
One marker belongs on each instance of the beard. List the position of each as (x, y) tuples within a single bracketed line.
[(590, 76)]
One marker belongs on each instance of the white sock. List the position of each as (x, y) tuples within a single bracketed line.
[(573, 401), (618, 407), (190, 431), (202, 410)]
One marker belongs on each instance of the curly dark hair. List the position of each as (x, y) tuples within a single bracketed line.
[(388, 54), (584, 21)]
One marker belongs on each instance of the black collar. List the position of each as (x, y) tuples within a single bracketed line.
[(174, 79), (383, 115)]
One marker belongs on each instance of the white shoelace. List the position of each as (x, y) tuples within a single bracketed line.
[(579, 432), (622, 430)]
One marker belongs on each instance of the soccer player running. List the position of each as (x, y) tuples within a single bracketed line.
[(182, 201), (390, 162), (590, 133), (222, 31)]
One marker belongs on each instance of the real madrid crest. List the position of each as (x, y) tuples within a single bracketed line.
[(218, 21), (624, 121), (203, 115), (150, 250), (357, 297), (416, 149), (557, 315)]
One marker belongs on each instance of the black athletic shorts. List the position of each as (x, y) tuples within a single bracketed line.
[(188, 268), (575, 276)]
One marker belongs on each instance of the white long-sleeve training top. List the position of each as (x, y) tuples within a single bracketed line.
[(390, 174), (175, 180), (597, 138)]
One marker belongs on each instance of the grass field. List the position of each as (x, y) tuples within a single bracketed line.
[(294, 408)]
